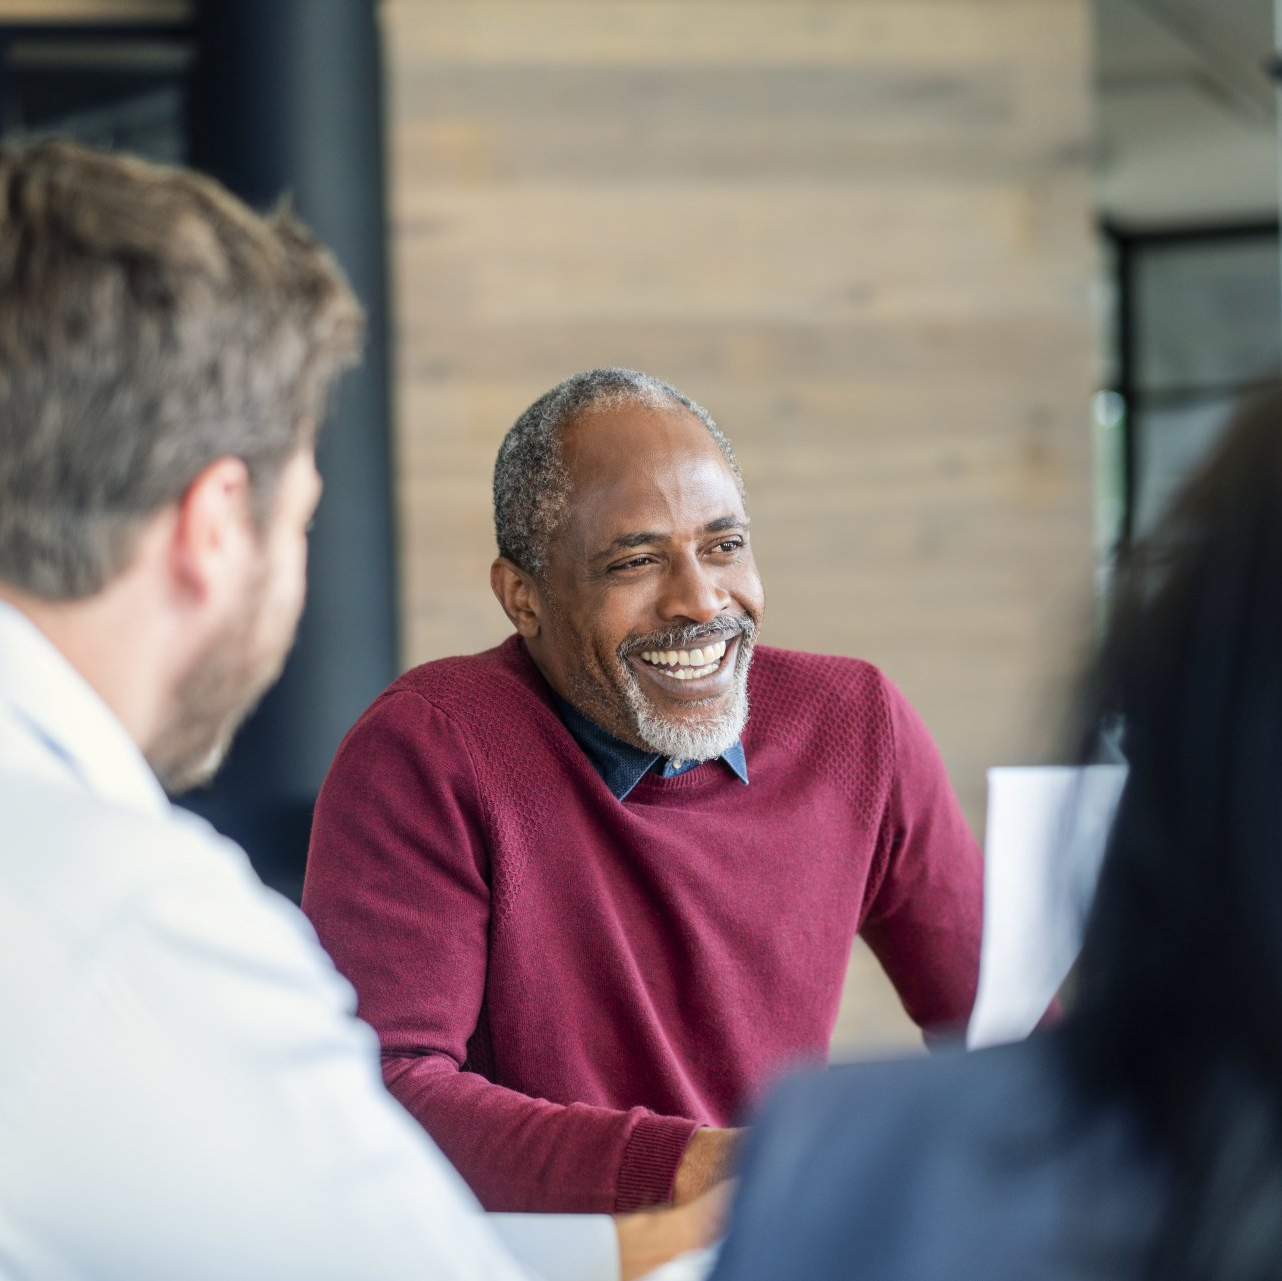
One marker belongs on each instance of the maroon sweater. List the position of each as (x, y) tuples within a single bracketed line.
[(567, 985)]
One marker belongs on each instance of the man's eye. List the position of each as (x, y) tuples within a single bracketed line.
[(730, 545), (636, 562)]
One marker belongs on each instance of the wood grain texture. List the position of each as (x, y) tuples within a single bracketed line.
[(858, 231), (96, 11)]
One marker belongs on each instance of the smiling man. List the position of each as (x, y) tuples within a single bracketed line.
[(588, 900)]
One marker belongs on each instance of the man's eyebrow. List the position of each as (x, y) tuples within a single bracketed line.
[(625, 542), (725, 522)]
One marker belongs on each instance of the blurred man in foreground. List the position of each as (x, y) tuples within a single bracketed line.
[(589, 902), (183, 1090)]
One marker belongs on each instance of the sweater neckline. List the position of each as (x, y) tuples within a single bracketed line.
[(709, 774), (585, 733)]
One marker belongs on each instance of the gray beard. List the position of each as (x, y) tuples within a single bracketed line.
[(703, 740)]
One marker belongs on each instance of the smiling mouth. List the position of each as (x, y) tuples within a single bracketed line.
[(686, 664)]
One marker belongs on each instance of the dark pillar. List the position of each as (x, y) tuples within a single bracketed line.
[(287, 101)]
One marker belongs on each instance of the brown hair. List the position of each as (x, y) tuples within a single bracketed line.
[(149, 324)]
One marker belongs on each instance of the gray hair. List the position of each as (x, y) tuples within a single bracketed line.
[(531, 483)]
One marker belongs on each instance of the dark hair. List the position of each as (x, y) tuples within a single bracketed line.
[(149, 324), (1179, 989), (531, 484)]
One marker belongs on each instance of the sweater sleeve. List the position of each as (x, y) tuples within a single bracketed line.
[(399, 889), (925, 918)]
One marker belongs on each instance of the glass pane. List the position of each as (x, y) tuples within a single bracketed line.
[(1207, 313), (1170, 442)]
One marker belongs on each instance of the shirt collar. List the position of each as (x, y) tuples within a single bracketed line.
[(623, 766), (67, 720)]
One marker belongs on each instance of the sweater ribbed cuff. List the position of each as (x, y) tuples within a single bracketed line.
[(649, 1168)]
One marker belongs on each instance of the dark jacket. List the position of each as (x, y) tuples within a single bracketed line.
[(987, 1165)]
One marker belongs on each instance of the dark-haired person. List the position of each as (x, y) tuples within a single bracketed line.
[(183, 1089), (1143, 1138), (588, 901)]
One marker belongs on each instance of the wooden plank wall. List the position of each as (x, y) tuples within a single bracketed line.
[(857, 230), (94, 11)]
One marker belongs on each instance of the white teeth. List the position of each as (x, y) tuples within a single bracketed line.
[(693, 673), (690, 663)]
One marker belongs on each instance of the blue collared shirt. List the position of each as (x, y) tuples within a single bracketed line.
[(623, 766)]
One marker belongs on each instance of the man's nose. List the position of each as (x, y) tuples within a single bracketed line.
[(692, 591)]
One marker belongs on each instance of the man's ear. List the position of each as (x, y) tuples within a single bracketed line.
[(212, 526), (518, 593)]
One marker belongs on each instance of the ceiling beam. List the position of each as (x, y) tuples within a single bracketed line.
[(1240, 76)]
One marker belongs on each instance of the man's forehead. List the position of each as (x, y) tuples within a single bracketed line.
[(643, 474), (609, 445)]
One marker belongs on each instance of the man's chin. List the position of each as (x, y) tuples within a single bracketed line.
[(188, 775), (699, 728), (692, 737), (195, 764)]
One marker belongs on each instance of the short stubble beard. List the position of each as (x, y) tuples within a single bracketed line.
[(217, 695)]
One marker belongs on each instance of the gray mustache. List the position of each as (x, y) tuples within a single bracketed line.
[(679, 638)]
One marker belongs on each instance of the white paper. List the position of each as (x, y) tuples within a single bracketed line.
[(1047, 828)]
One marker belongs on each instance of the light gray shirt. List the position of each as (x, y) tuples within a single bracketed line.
[(184, 1088)]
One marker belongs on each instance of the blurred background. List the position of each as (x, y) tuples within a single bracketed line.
[(969, 283)]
